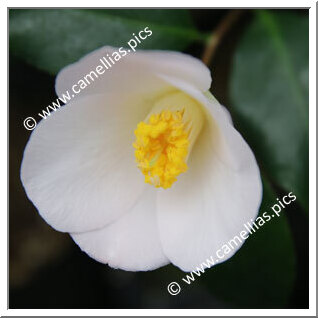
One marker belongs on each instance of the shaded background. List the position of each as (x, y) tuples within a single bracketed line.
[(259, 68)]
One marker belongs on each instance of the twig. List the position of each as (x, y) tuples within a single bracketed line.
[(218, 34)]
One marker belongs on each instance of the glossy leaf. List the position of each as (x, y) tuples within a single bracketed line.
[(52, 38), (269, 94)]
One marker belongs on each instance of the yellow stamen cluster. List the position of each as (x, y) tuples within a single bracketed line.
[(162, 147)]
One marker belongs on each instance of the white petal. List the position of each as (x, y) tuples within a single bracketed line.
[(227, 115), (78, 167), (130, 243), (132, 71), (209, 204)]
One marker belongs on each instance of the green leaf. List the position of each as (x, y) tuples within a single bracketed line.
[(52, 38), (269, 93), (261, 274)]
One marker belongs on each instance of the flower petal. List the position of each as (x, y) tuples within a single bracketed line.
[(132, 71), (130, 243), (209, 205), (78, 167)]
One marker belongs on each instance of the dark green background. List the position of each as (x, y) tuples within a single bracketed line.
[(260, 73)]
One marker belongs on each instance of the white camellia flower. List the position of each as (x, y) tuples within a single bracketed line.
[(144, 166)]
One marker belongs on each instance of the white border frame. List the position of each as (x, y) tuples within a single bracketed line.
[(312, 164)]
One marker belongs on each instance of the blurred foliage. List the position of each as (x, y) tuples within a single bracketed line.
[(269, 93), (50, 38)]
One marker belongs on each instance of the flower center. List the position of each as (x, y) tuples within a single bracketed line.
[(164, 140), (162, 147)]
